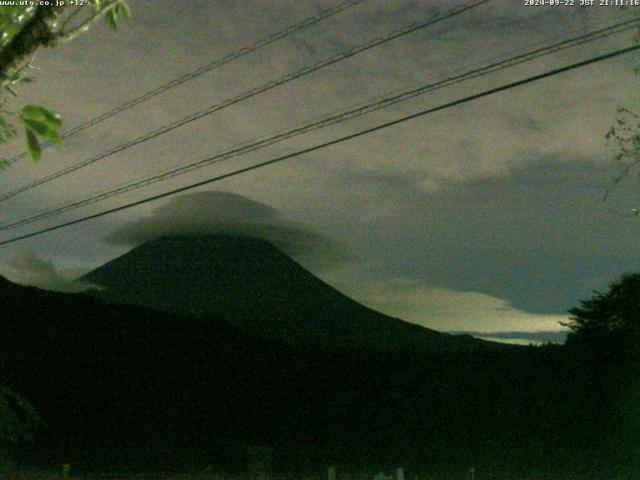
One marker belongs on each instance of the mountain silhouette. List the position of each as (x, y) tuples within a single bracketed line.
[(127, 387), (253, 285)]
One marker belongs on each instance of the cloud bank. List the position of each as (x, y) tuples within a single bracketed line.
[(456, 311), (225, 213), (27, 268)]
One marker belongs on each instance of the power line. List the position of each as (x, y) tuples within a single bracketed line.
[(249, 94), (323, 122), (329, 143), (208, 67)]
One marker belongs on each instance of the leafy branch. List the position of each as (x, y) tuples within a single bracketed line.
[(625, 136), (24, 30)]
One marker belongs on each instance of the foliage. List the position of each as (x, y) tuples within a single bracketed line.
[(605, 347), (18, 422), (611, 318), (625, 136), (25, 29), (39, 121), (20, 418)]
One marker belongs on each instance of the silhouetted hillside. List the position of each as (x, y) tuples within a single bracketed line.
[(128, 386), (250, 283)]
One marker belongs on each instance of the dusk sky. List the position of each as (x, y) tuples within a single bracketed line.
[(487, 217)]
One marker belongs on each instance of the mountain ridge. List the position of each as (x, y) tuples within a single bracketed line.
[(256, 287), (128, 387)]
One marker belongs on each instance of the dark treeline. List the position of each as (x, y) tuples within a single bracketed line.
[(132, 388)]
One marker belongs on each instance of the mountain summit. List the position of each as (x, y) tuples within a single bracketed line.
[(255, 286)]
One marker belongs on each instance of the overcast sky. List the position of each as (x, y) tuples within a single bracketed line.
[(486, 217)]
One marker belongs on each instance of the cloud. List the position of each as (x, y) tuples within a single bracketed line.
[(553, 336), (540, 238), (455, 311), (225, 213), (27, 268), (462, 199)]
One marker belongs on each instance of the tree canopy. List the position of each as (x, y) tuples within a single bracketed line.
[(609, 319)]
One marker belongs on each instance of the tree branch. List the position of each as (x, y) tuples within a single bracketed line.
[(63, 37), (34, 34), (68, 19)]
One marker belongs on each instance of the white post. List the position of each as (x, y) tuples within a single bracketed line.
[(331, 473), (473, 473), (400, 473)]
